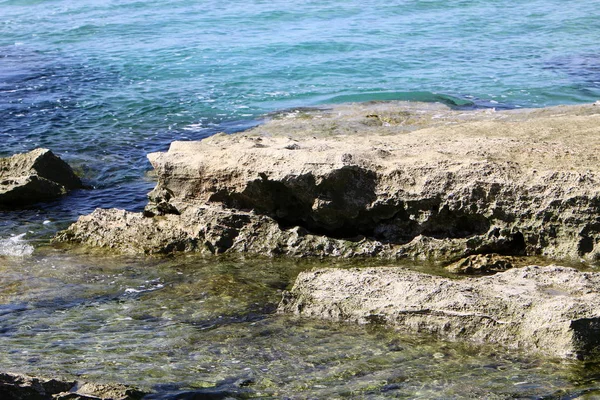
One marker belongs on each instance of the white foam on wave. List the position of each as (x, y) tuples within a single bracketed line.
[(15, 246), (154, 285), (193, 127)]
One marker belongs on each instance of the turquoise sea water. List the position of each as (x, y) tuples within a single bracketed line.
[(102, 83)]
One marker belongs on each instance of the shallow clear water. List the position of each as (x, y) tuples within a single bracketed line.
[(102, 83), (184, 324)]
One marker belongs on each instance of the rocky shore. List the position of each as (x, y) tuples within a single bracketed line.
[(396, 180), (391, 180)]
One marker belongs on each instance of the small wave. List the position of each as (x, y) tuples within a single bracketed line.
[(428, 97), (15, 246), (193, 127), (150, 286)]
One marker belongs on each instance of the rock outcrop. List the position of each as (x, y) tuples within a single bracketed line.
[(549, 310), (378, 179), (35, 176)]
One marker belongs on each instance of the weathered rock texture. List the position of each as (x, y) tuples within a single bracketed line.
[(23, 387), (35, 176), (478, 264), (549, 310), (379, 179)]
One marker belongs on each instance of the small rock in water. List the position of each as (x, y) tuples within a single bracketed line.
[(550, 310), (35, 176), (22, 387)]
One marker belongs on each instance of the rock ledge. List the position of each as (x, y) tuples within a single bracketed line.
[(549, 310), (390, 180)]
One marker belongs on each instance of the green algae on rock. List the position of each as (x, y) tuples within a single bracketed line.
[(482, 264)]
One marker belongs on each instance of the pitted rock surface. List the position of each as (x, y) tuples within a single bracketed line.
[(35, 176), (381, 179), (549, 310)]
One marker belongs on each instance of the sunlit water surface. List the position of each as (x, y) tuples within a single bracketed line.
[(102, 83), (191, 323)]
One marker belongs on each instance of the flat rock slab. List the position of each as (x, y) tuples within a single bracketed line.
[(391, 180), (35, 176), (549, 310)]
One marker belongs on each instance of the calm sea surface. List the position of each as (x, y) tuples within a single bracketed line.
[(102, 83)]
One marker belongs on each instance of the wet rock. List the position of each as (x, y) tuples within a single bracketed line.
[(209, 230), (479, 264), (429, 183), (23, 387), (204, 394), (95, 391), (35, 176), (549, 310)]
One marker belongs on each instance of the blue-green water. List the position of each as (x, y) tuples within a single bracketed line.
[(102, 83)]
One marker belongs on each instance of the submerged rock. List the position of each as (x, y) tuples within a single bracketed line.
[(23, 387), (549, 310), (377, 179), (35, 176), (97, 391)]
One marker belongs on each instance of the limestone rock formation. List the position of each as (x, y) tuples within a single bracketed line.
[(549, 310), (206, 229), (35, 176), (378, 179)]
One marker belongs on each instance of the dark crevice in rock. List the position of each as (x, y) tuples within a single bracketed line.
[(590, 235), (586, 336), (275, 199), (586, 245), (516, 245), (454, 224), (159, 203), (344, 206), (512, 244)]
